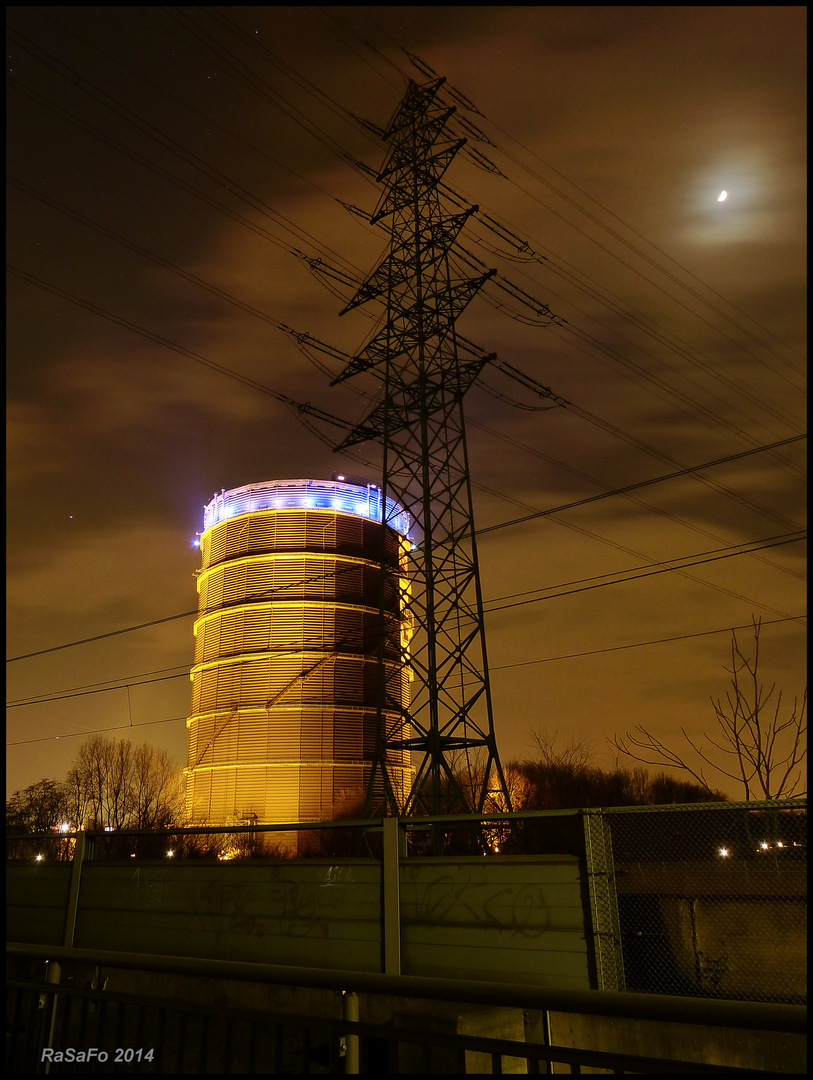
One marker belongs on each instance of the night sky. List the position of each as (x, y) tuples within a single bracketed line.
[(164, 163)]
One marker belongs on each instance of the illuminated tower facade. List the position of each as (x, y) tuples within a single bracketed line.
[(285, 684)]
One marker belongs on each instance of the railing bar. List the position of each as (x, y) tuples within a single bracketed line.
[(122, 1021), (84, 1013), (36, 1028), (140, 1032), (725, 1013), (496, 1063), (101, 1020), (16, 1027), (228, 1025), (253, 1048), (181, 1052), (41, 1028), (30, 1000), (460, 1058), (160, 1027), (306, 1046), (64, 1017), (563, 1055), (203, 1054), (506, 1047)]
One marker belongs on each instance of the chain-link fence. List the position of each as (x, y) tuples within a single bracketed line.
[(710, 899)]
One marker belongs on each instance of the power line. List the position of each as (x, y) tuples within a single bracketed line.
[(646, 506), (99, 637), (540, 513), (84, 693), (632, 574), (142, 251), (256, 204), (642, 644), (424, 69), (641, 484), (310, 409), (165, 93), (186, 614), (246, 307), (498, 667), (647, 573), (321, 415), (653, 245), (340, 111), (103, 684), (96, 731), (487, 529), (301, 408), (627, 243), (633, 570)]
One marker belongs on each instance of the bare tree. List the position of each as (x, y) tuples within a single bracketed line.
[(156, 789), (113, 785), (575, 754), (754, 744)]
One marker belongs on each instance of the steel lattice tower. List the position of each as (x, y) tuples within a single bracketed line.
[(419, 421)]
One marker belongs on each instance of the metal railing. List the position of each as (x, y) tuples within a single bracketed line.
[(49, 1024)]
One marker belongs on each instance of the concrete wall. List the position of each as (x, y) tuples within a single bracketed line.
[(37, 901), (523, 916), (298, 912), (759, 1050), (493, 919), (735, 932)]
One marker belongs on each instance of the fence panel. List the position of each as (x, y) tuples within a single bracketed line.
[(712, 898)]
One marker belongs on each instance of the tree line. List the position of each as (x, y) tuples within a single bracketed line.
[(110, 785)]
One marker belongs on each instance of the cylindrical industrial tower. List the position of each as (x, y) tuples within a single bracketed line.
[(285, 685)]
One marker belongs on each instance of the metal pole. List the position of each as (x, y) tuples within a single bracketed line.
[(52, 974), (350, 1011), (81, 850), (391, 899)]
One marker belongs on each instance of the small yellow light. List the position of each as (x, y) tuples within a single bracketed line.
[(723, 852)]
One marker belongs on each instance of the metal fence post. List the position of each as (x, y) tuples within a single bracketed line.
[(53, 972), (350, 1011), (603, 901), (80, 852), (391, 899)]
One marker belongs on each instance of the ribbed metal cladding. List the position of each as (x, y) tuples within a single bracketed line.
[(285, 680)]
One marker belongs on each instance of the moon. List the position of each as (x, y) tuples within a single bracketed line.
[(722, 196)]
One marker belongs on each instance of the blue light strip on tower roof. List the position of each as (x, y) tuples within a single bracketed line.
[(344, 498)]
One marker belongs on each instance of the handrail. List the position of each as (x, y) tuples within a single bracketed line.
[(412, 823), (710, 1012)]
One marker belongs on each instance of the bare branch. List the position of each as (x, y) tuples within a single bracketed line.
[(767, 749)]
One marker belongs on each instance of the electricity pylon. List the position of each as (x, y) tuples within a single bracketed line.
[(419, 421)]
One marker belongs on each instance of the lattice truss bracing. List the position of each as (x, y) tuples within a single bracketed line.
[(419, 421)]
